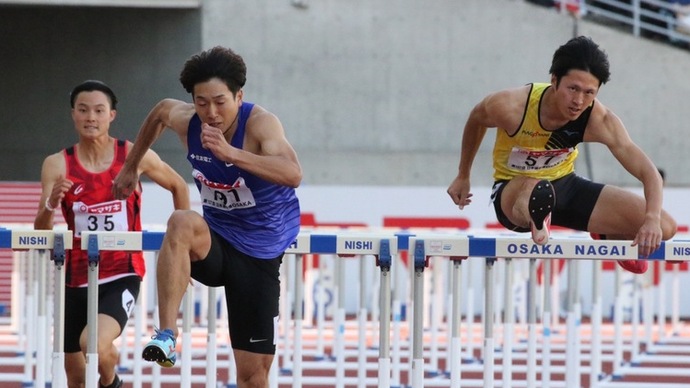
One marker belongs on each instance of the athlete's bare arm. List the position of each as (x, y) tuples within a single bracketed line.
[(266, 152), (165, 176), (168, 113), (53, 189), (606, 128), (503, 109)]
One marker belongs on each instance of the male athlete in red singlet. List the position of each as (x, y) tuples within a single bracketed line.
[(78, 180)]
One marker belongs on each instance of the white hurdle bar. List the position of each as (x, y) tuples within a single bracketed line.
[(462, 246), (93, 243), (492, 246), (381, 245), (455, 246), (57, 242)]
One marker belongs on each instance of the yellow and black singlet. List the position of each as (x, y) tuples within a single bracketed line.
[(535, 152)]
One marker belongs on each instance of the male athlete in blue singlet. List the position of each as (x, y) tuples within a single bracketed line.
[(538, 129), (246, 172)]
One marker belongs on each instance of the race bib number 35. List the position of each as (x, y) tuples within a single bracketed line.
[(104, 217), (528, 160)]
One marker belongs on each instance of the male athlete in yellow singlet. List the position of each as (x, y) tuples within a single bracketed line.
[(539, 127)]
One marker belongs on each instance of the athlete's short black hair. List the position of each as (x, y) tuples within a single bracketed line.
[(218, 62), (91, 86), (581, 53)]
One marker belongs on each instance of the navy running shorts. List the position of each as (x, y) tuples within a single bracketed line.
[(252, 292)]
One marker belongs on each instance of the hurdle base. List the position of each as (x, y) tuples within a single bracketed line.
[(323, 358), (432, 374)]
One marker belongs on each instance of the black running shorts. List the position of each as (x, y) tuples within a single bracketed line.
[(575, 200), (252, 291), (115, 299)]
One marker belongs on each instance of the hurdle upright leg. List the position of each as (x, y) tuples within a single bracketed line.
[(532, 325), (92, 313), (396, 351), (362, 327), (417, 373), (499, 300), (508, 327), (648, 309), (41, 322), (546, 325), (384, 263), (211, 340), (375, 309), (661, 307), (286, 315), (596, 317), (635, 321), (617, 325), (186, 366), (488, 352), (59, 379), (573, 325), (140, 317), (469, 355), (578, 325), (456, 316), (29, 321), (436, 309), (321, 295), (675, 300), (339, 324), (155, 368), (555, 293), (297, 319)]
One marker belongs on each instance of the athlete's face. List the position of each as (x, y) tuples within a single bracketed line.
[(215, 103), (92, 114), (575, 92)]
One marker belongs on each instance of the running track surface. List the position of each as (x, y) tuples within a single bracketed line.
[(665, 364)]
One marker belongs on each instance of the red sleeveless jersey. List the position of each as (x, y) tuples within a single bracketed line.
[(89, 205)]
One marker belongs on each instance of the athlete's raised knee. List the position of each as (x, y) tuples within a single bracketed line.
[(181, 220), (669, 228)]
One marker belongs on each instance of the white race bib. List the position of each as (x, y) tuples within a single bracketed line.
[(104, 217), (522, 159), (223, 196)]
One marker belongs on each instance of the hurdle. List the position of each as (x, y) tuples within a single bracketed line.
[(571, 248), (421, 246), (383, 246), (346, 245), (35, 352)]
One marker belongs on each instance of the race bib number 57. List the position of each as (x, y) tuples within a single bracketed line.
[(529, 160)]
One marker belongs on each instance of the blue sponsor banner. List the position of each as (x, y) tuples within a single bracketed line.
[(482, 246), (323, 243), (152, 241), (5, 238)]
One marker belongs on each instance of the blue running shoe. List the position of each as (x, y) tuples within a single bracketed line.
[(161, 348)]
